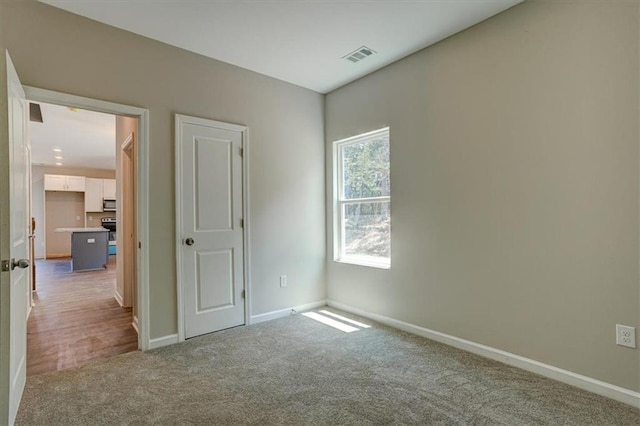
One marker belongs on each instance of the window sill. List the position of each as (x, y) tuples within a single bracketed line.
[(363, 261)]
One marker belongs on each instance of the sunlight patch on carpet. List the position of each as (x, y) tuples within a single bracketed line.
[(345, 319), (330, 322)]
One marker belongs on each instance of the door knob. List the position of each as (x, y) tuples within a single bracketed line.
[(189, 241), (21, 263)]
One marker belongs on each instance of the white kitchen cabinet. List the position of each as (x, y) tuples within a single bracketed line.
[(109, 188), (93, 195), (76, 183), (64, 183), (55, 183)]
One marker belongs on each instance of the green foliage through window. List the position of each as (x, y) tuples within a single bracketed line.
[(366, 169), (364, 213)]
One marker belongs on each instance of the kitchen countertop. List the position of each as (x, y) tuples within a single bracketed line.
[(98, 229)]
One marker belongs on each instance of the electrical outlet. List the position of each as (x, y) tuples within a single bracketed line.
[(283, 280), (625, 336)]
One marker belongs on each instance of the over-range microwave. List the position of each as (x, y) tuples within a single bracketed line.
[(108, 205)]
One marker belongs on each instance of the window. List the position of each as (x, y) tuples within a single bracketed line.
[(362, 221)]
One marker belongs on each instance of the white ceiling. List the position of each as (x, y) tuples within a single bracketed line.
[(298, 41), (85, 138)]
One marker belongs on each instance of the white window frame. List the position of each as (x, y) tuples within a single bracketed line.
[(339, 202)]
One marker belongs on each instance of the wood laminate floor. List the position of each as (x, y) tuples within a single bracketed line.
[(75, 319)]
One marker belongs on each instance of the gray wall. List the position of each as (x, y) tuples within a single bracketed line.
[(514, 164), (56, 50)]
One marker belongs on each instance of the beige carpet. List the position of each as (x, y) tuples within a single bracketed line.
[(298, 371)]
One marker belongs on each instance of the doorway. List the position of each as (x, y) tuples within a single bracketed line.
[(141, 184), (141, 288), (82, 308)]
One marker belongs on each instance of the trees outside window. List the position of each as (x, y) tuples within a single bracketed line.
[(363, 204)]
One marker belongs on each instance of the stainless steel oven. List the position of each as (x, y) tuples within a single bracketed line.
[(110, 224)]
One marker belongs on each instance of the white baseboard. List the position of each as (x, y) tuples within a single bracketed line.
[(255, 319), (583, 382), (118, 298), (163, 341), (134, 324)]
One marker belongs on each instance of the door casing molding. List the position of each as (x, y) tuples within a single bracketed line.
[(244, 130), (142, 114)]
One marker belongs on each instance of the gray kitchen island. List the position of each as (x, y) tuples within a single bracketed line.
[(89, 248)]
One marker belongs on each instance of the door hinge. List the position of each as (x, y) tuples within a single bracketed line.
[(139, 245), (6, 266), (241, 152), (243, 293), (241, 223)]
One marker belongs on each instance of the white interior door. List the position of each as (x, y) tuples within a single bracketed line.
[(15, 268), (209, 213)]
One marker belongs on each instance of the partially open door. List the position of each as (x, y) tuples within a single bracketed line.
[(14, 244)]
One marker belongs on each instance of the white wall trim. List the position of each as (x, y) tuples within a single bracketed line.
[(177, 228), (159, 342), (181, 119), (247, 226), (281, 313), (118, 297), (134, 324), (583, 382), (142, 114), (142, 228), (126, 145)]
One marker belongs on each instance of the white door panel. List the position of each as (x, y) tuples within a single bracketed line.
[(16, 304), (214, 280), (213, 203), (211, 254)]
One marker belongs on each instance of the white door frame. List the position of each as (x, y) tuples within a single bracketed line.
[(58, 98), (185, 119), (32, 253)]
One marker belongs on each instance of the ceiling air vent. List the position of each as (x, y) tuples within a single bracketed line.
[(359, 54)]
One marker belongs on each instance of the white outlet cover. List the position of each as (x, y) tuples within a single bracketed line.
[(625, 336)]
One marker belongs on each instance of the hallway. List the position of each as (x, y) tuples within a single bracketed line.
[(75, 319)]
